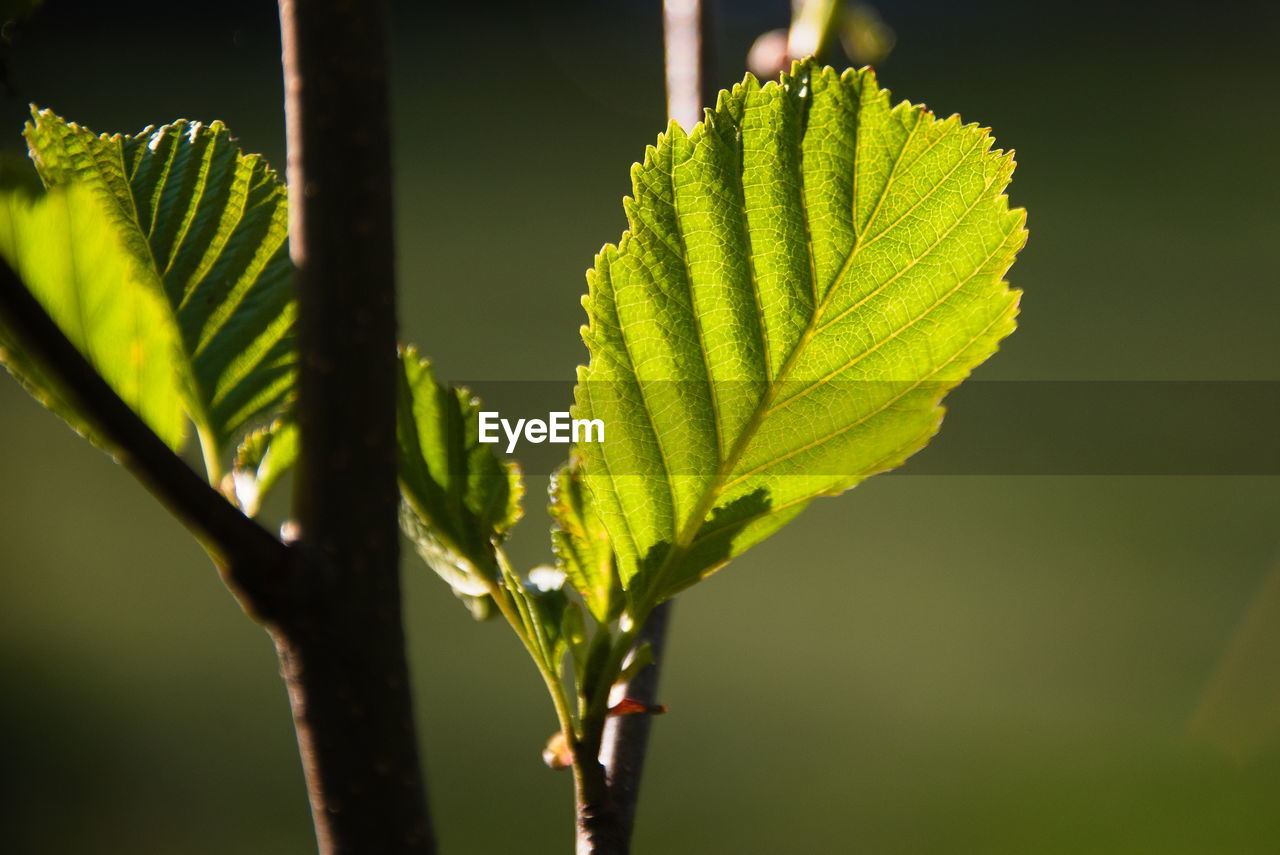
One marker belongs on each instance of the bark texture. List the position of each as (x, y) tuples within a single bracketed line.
[(341, 644)]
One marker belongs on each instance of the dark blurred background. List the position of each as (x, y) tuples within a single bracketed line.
[(969, 665)]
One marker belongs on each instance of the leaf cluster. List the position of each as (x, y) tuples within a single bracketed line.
[(804, 276)]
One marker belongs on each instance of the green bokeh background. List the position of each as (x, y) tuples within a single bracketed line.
[(964, 665)]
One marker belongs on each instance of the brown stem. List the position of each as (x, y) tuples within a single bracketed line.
[(332, 601), (348, 684), (626, 737), (342, 648), (600, 830)]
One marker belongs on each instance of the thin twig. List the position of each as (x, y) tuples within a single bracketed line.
[(626, 737), (254, 562), (342, 649), (601, 830), (687, 37)]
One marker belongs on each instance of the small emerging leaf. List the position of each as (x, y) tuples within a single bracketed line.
[(581, 544), (544, 595), (262, 458), (573, 629), (641, 659), (459, 498)]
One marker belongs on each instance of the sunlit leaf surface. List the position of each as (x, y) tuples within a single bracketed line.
[(804, 277), (71, 258)]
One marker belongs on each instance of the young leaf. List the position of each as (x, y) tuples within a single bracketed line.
[(573, 629), (211, 223), (804, 277), (544, 597), (262, 458), (581, 544), (66, 251), (459, 498), (641, 659)]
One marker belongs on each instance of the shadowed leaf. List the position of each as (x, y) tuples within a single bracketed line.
[(212, 224), (459, 498)]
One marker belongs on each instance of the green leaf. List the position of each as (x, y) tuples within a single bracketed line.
[(459, 498), (581, 544), (262, 458), (543, 594), (66, 251), (573, 629), (804, 277), (211, 223)]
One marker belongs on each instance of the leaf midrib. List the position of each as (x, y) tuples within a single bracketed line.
[(951, 360)]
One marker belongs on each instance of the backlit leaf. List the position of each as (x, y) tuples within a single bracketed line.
[(804, 276), (581, 544), (66, 251)]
